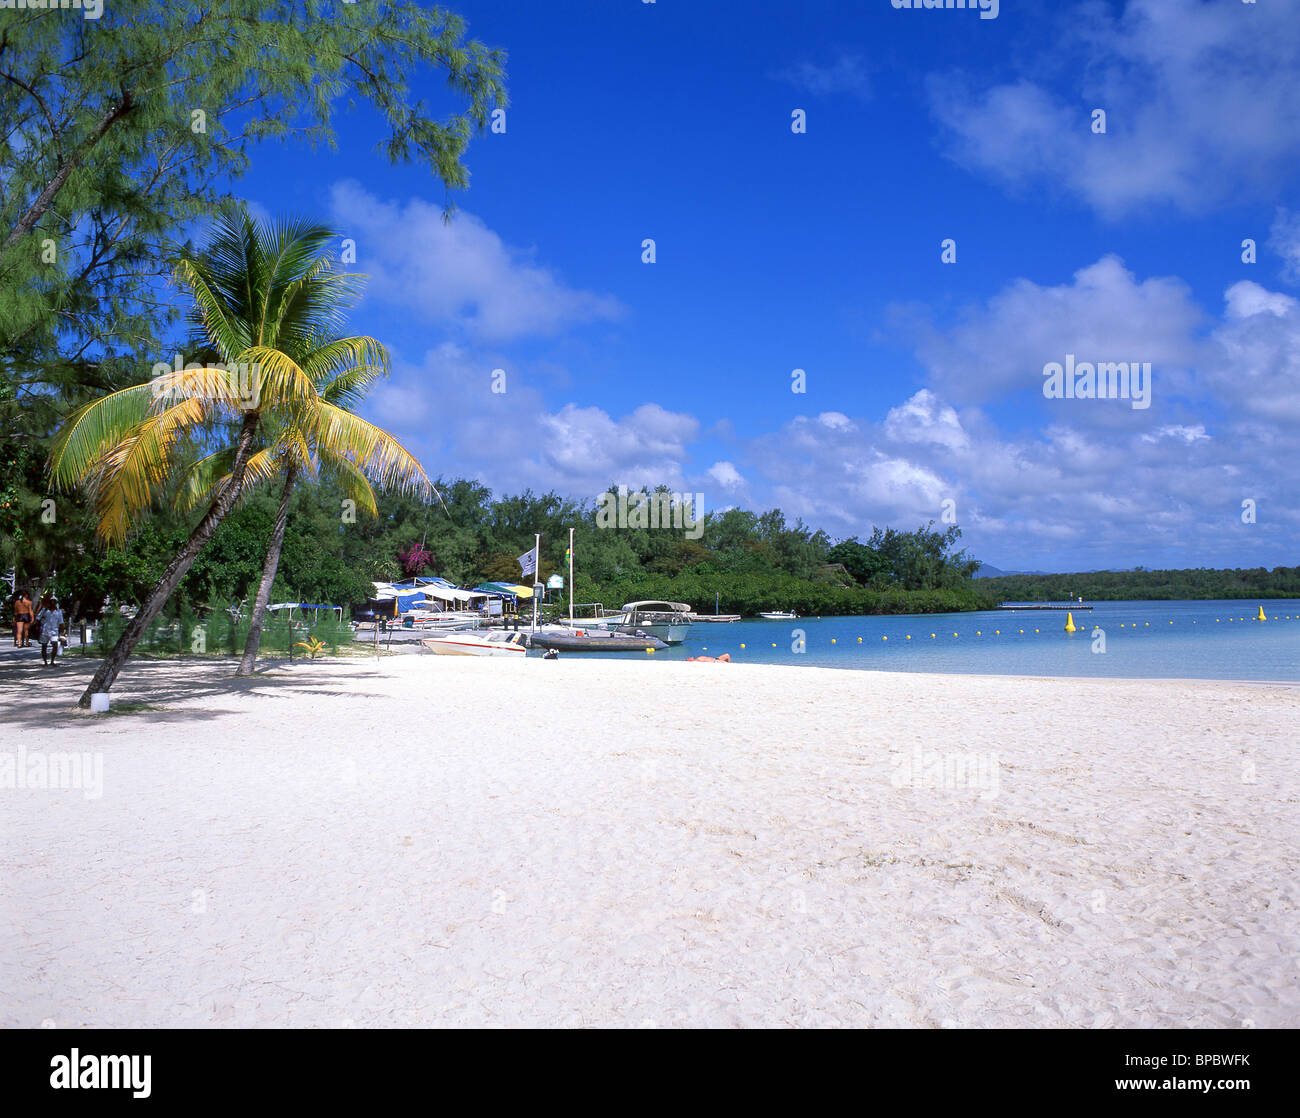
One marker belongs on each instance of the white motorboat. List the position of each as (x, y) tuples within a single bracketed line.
[(669, 621), (442, 621), (494, 642), (780, 615)]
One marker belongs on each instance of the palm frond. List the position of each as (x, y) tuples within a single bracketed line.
[(130, 475), (372, 449), (351, 482), (199, 480), (95, 428)]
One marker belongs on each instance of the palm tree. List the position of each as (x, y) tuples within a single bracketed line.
[(257, 292), (325, 442)]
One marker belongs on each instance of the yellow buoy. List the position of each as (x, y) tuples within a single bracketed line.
[(859, 640), (1070, 627), (884, 638), (832, 640), (1261, 616), (650, 651), (909, 636), (932, 635), (742, 645), (997, 632)]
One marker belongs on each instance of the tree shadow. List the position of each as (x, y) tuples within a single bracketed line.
[(32, 693)]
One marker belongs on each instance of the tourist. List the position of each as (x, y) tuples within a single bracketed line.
[(23, 610), (50, 620)]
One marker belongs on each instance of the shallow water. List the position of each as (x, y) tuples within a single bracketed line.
[(1173, 640)]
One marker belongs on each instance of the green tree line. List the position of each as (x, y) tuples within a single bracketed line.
[(1143, 585), (742, 561)]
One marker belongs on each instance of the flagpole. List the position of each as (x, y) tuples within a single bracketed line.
[(537, 559), (570, 576)]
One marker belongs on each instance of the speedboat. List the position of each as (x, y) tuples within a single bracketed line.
[(780, 615), (494, 642)]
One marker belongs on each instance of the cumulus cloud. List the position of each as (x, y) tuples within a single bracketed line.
[(1200, 99), (924, 419), (1104, 314), (726, 475), (1255, 371), (1078, 491), (457, 274), (1160, 487), (443, 408)]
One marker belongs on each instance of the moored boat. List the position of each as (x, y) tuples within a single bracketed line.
[(497, 642), (780, 615), (563, 639), (669, 621)]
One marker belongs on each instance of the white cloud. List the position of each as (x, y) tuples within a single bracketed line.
[(1284, 239), (1105, 314), (444, 410), (1200, 98), (923, 419), (726, 475), (1255, 372), (457, 274), (1160, 487), (1177, 431), (847, 74), (1247, 299)]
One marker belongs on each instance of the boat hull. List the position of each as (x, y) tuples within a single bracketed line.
[(613, 642), (453, 645)]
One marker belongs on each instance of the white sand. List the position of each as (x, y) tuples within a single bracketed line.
[(462, 842)]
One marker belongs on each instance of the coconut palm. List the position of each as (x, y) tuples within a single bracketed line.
[(326, 442), (258, 291)]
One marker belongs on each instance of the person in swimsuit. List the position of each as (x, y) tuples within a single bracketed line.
[(23, 610)]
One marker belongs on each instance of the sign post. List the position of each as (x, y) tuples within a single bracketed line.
[(537, 555)]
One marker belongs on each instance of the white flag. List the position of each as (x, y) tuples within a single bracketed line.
[(528, 562)]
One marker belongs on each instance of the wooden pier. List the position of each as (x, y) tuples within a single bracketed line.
[(1044, 605)]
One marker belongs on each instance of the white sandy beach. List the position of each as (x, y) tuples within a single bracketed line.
[(436, 841)]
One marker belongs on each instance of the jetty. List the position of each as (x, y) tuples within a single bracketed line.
[(1042, 605)]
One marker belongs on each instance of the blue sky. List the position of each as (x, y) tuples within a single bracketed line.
[(821, 251)]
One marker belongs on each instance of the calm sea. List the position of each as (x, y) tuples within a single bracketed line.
[(1172, 640)]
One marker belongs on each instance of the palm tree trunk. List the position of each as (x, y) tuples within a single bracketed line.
[(176, 569), (269, 568)]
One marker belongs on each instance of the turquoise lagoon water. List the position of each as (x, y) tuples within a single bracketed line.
[(1170, 640)]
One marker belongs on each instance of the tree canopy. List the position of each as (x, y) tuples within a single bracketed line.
[(119, 135)]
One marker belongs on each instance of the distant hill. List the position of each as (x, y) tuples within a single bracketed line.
[(985, 571)]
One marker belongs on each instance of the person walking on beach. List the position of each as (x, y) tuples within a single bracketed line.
[(22, 619), (50, 619)]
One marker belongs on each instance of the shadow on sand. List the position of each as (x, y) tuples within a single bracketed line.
[(31, 692)]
